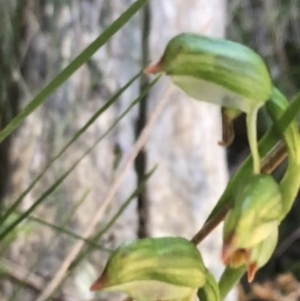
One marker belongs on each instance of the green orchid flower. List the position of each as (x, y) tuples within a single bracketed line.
[(253, 257), (167, 268), (251, 227), (220, 72)]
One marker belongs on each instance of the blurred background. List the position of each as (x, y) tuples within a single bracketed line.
[(38, 38)]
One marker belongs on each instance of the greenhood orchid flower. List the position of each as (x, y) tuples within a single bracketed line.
[(251, 227), (255, 257), (166, 268), (221, 72)]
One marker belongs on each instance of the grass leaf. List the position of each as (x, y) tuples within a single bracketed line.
[(81, 59), (9, 228), (98, 113)]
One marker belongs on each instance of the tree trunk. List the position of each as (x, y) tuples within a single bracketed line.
[(192, 170)]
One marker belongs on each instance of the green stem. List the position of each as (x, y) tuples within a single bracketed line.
[(229, 279), (289, 186), (251, 120)]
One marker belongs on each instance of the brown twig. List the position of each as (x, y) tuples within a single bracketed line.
[(274, 159), (210, 225)]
